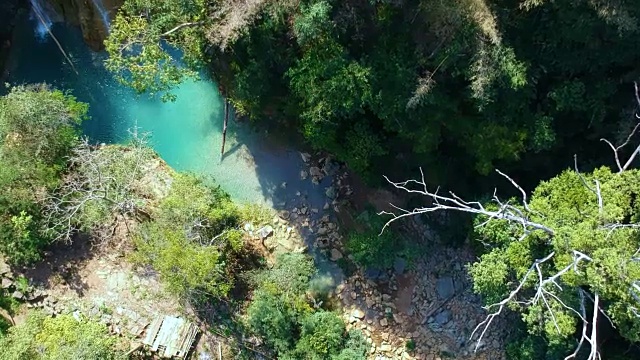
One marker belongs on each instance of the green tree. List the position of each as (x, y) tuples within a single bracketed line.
[(192, 239), (154, 46), (562, 259), (38, 128)]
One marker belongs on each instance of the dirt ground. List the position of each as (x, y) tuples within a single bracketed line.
[(100, 284)]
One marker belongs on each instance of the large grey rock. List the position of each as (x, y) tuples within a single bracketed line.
[(444, 287), (17, 295), (264, 232), (443, 317), (399, 266), (315, 172), (330, 167), (335, 255), (4, 268)]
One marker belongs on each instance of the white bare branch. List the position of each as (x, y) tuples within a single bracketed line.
[(505, 211), (92, 181)]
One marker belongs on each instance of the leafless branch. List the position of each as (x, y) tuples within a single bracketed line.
[(105, 182), (182, 26), (505, 211), (616, 149)]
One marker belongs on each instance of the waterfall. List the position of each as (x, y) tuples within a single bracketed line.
[(41, 17), (104, 14)]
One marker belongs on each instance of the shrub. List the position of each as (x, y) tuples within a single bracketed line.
[(192, 240), (38, 128), (62, 337), (369, 247), (322, 336)]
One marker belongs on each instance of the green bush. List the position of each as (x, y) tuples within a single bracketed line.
[(322, 336), (192, 239), (38, 128), (280, 313), (62, 337), (370, 248)]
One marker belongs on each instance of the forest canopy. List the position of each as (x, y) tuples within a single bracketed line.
[(456, 86)]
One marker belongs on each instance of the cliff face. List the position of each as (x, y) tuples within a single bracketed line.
[(9, 10), (86, 14)]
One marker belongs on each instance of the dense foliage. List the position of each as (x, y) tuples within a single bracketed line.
[(280, 312), (592, 252), (192, 239), (38, 129), (427, 83), (62, 337)]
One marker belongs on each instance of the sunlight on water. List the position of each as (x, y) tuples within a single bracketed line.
[(187, 133), (41, 17)]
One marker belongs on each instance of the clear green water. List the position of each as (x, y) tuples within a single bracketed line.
[(187, 133)]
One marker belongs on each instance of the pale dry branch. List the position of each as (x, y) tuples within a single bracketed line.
[(455, 203)]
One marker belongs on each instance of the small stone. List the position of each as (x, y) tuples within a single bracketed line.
[(315, 172), (326, 206), (443, 317), (384, 322), (335, 254), (17, 295), (358, 314), (6, 283), (384, 347), (303, 175), (305, 156), (283, 185), (354, 295), (331, 192)]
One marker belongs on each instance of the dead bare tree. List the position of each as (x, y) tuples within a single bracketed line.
[(102, 185)]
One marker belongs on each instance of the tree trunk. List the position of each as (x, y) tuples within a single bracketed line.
[(224, 126)]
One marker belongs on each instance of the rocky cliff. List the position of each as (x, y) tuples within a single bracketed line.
[(9, 10), (87, 14)]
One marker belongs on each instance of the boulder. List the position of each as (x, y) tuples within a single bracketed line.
[(305, 156), (264, 232), (315, 172), (17, 295), (4, 268), (442, 318), (303, 175), (399, 266), (444, 287), (331, 192), (358, 314), (335, 254), (6, 283)]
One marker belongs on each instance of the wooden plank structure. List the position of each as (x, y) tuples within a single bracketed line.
[(170, 337)]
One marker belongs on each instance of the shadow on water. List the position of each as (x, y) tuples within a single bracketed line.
[(187, 133)]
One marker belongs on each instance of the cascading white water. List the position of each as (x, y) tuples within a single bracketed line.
[(104, 14), (41, 16)]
